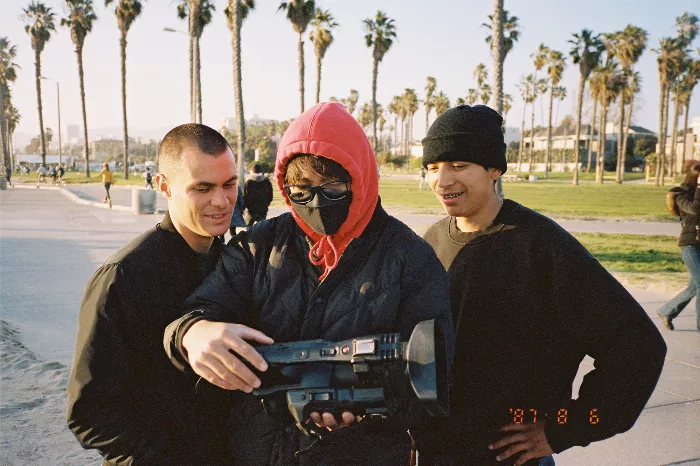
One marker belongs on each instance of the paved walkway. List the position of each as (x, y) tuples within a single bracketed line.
[(50, 245)]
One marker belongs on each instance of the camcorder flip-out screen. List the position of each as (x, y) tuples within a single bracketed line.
[(374, 376)]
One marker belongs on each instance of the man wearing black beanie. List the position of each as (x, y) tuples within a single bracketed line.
[(528, 303)]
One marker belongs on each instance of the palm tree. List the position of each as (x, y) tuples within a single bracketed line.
[(39, 23), (236, 12), (199, 13), (126, 12), (352, 100), (555, 69), (300, 13), (481, 75), (629, 45), (690, 80), (540, 58), (12, 118), (381, 122), (8, 74), (322, 38), (608, 81), (687, 27), (592, 129), (460, 101), (381, 33), (80, 18), (429, 99), (511, 30), (442, 103), (410, 99), (539, 87), (472, 96), (585, 52), (485, 94)]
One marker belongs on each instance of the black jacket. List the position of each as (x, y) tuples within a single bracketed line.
[(388, 280), (528, 303), (258, 195), (125, 398), (688, 203)]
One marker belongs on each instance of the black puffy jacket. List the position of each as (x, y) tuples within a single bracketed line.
[(387, 280)]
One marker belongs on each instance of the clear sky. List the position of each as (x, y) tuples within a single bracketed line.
[(440, 38)]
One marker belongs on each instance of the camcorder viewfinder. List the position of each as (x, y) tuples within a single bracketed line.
[(374, 376)]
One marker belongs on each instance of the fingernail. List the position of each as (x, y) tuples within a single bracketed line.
[(490, 447), (499, 458), (263, 366), (256, 384)]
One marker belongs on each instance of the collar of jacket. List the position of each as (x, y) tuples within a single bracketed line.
[(166, 225)]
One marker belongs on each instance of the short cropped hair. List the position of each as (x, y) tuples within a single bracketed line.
[(190, 135), (301, 164), (256, 168)]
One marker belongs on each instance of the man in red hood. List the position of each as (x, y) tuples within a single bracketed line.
[(336, 267)]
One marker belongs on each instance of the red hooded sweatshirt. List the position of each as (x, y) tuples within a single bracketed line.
[(328, 130)]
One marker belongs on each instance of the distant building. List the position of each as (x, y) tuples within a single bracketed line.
[(229, 123), (692, 144)]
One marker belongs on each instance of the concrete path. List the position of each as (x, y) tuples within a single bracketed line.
[(49, 247)]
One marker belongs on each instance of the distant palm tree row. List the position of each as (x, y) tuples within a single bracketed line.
[(606, 63)]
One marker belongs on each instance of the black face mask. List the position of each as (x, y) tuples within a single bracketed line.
[(324, 216)]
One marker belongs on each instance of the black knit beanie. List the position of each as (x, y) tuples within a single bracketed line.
[(469, 134)]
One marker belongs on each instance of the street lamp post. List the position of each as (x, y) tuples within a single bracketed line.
[(58, 98)]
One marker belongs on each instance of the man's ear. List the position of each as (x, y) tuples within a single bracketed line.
[(495, 173), (163, 187)]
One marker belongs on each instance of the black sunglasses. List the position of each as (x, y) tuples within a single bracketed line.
[(303, 193)]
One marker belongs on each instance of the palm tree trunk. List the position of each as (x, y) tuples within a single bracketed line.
[(318, 78), (498, 48), (667, 107), (549, 133), (4, 130), (662, 142), (236, 24), (396, 130), (42, 139), (193, 113), (375, 71), (685, 135), (627, 131), (300, 47), (620, 153), (122, 49), (591, 137), (198, 77), (674, 134), (579, 111), (532, 138), (427, 113), (81, 76), (600, 165), (522, 139)]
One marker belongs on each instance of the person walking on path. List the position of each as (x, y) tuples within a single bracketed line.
[(149, 178), (125, 399), (41, 174), (258, 196), (528, 303), (107, 179), (687, 205), (237, 220), (421, 185)]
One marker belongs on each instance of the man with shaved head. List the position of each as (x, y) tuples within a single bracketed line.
[(125, 399)]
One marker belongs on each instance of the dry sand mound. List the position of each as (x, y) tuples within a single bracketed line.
[(32, 408)]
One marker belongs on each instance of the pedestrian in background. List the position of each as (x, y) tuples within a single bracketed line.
[(107, 179), (258, 196), (149, 178), (687, 206), (8, 174)]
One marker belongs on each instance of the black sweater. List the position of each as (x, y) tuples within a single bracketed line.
[(528, 303)]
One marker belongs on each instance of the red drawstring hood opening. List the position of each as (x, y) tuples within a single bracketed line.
[(328, 130)]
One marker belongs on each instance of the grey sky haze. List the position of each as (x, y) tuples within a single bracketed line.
[(440, 38)]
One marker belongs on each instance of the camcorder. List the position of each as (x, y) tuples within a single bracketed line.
[(375, 376)]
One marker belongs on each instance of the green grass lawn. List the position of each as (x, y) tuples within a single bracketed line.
[(636, 201), (634, 253), (584, 176)]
